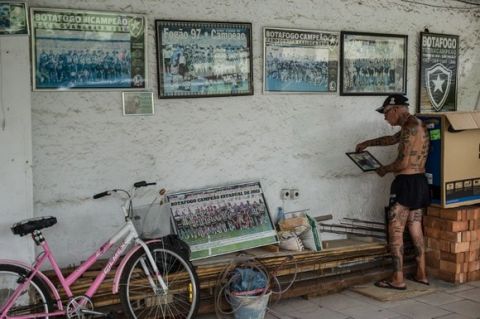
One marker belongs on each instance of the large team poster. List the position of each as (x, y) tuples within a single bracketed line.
[(438, 72), (77, 49), (222, 219)]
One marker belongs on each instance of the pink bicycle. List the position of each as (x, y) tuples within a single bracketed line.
[(154, 279)]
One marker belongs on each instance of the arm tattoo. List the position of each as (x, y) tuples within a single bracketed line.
[(385, 140)]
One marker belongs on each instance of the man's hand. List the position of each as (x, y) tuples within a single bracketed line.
[(360, 147), (381, 171)]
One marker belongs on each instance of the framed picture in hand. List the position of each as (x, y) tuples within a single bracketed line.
[(366, 161), (373, 63)]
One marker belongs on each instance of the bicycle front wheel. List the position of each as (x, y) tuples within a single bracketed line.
[(140, 299), (35, 299)]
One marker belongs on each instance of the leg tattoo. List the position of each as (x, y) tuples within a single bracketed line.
[(398, 216)]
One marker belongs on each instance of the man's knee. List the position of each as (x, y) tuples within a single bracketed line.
[(396, 249), (415, 216), (419, 249), (398, 213)]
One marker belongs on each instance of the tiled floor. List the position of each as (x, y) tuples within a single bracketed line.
[(447, 302)]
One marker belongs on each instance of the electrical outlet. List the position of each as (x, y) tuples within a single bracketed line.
[(294, 193), (285, 194)]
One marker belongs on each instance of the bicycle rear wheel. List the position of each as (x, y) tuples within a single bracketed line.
[(35, 299), (141, 301)]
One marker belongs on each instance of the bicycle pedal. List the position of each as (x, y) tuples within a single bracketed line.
[(97, 314), (111, 315)]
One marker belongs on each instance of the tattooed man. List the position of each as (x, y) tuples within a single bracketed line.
[(409, 194)]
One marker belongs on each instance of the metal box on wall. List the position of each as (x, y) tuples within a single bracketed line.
[(453, 165)]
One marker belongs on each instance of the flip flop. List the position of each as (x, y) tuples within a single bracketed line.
[(388, 285), (412, 278)]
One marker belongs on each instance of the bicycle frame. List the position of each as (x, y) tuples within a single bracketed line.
[(128, 232)]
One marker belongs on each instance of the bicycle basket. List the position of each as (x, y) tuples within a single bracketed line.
[(152, 221)]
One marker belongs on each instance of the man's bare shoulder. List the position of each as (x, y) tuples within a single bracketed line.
[(411, 125)]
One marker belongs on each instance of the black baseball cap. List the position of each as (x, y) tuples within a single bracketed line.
[(393, 99)]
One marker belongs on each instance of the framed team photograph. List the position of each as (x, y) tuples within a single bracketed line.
[(364, 160), (78, 49), (203, 59), (373, 63), (300, 61), (438, 72), (138, 103), (13, 18), (224, 219)]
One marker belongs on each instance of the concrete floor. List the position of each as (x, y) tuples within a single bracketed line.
[(447, 302)]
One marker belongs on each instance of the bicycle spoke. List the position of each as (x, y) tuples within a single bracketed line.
[(179, 301)]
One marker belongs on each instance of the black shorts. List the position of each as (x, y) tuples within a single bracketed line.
[(411, 191)]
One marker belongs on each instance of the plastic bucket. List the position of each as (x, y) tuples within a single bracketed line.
[(250, 307)]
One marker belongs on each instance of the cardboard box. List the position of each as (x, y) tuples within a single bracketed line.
[(453, 165)]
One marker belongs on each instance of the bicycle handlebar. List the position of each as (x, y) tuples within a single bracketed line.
[(135, 185), (102, 194), (143, 184)]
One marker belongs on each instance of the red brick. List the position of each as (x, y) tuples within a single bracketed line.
[(452, 277), (472, 255), (459, 247), (433, 211), (453, 267), (456, 258), (474, 245), (451, 213), (473, 275), (474, 265), (432, 233), (451, 236)]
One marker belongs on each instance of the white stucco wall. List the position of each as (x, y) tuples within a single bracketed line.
[(82, 144), (16, 199)]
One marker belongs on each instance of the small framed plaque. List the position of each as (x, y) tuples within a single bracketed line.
[(13, 18), (364, 160), (138, 103)]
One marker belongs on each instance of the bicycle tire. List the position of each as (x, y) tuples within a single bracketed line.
[(37, 292), (140, 301)]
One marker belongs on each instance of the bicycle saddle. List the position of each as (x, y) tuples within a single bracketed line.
[(28, 226)]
